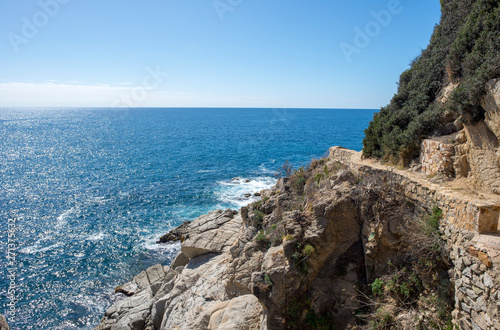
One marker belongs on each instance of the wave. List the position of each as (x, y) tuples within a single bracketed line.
[(239, 192), (62, 219), (35, 248), (97, 237), (264, 170), (205, 171), (149, 243)]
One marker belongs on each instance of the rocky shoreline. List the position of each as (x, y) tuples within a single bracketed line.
[(194, 291), (309, 254)]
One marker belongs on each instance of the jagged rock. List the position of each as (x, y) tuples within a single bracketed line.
[(180, 260), (129, 313), (149, 278), (177, 234), (243, 312), (185, 295), (484, 259), (3, 323), (212, 233), (491, 105), (334, 237), (128, 288)]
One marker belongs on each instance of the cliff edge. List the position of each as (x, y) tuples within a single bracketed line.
[(346, 242)]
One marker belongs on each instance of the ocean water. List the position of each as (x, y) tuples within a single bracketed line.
[(85, 193)]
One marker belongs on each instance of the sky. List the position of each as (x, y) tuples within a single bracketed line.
[(209, 53)]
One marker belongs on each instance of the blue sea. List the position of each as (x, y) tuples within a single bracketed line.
[(85, 193)]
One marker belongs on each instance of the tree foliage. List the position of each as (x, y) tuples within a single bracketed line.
[(464, 49)]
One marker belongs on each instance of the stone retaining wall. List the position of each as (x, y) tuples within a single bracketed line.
[(463, 212), (475, 271), (437, 157), (476, 282)]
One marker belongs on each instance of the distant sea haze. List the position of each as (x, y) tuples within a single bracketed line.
[(89, 191)]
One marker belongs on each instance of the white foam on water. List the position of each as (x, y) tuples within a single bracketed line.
[(80, 255), (149, 243), (264, 170), (100, 200), (240, 191), (206, 171), (35, 248), (97, 237), (62, 219)]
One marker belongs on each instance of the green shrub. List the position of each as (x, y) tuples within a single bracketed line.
[(435, 217), (320, 322), (463, 49), (318, 178), (261, 237), (377, 287), (325, 171), (268, 280), (259, 216), (308, 250), (299, 179), (257, 205)]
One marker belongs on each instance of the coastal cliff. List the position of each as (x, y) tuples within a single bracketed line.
[(403, 235), (346, 242)]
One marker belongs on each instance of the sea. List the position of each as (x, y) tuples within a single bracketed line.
[(86, 193)]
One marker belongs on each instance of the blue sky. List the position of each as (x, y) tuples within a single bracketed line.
[(206, 53)]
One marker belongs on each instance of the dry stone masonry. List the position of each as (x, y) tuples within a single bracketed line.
[(470, 229), (437, 157), (462, 211)]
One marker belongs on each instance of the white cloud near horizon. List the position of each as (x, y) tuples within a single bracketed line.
[(76, 94), (72, 94)]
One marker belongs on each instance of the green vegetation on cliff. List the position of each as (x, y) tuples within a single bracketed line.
[(463, 51)]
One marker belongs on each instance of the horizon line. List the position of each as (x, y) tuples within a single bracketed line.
[(171, 107)]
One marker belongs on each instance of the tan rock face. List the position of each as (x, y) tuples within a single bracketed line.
[(491, 105), (211, 233), (3, 323), (204, 291), (243, 313), (477, 155), (478, 158), (311, 252)]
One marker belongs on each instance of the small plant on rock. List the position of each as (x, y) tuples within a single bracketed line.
[(377, 287)]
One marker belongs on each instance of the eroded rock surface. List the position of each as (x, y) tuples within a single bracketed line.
[(309, 252)]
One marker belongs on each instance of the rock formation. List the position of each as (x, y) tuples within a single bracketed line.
[(3, 323), (473, 153), (345, 242)]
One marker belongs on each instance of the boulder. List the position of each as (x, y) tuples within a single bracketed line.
[(180, 260), (212, 233), (243, 312), (177, 234), (129, 313)]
